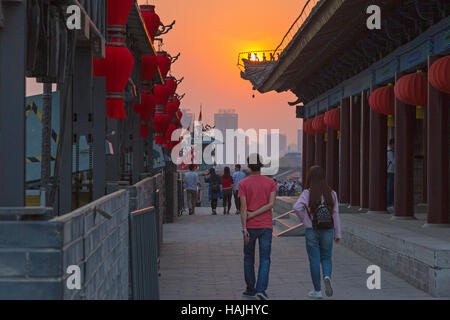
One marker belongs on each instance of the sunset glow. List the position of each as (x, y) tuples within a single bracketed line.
[(209, 36)]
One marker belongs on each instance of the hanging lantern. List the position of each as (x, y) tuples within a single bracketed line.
[(151, 19), (170, 130), (439, 74), (161, 119), (332, 119), (118, 11), (412, 89), (318, 124), (382, 100), (172, 83), (144, 130), (164, 63), (172, 106), (118, 63), (147, 106), (119, 66), (149, 67), (179, 114), (308, 127)]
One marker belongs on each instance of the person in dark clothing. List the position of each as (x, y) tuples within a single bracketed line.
[(227, 190), (215, 189)]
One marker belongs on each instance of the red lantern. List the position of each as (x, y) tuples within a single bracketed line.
[(164, 63), (332, 119), (161, 119), (119, 65), (308, 127), (412, 89), (149, 66), (118, 12), (382, 100), (172, 83), (172, 107), (151, 19), (169, 132), (147, 106), (179, 115), (144, 130), (318, 124), (439, 74)]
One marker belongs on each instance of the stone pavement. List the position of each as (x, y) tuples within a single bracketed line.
[(202, 259)]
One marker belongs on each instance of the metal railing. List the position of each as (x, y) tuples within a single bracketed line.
[(144, 254), (257, 56)]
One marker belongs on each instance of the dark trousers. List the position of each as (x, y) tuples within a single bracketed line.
[(214, 204), (237, 201), (264, 237), (227, 194)]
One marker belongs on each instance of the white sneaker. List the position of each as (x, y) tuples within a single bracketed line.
[(328, 287), (315, 294)]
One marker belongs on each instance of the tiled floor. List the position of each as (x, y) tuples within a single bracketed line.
[(202, 258)]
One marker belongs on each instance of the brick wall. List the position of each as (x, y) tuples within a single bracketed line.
[(34, 255)]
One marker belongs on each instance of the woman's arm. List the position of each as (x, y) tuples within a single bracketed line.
[(265, 208), (300, 205)]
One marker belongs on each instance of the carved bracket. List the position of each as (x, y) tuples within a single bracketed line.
[(165, 29)]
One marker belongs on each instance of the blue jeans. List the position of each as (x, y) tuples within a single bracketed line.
[(264, 237), (390, 189), (319, 245)]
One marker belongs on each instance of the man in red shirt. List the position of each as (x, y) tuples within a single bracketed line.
[(257, 194)]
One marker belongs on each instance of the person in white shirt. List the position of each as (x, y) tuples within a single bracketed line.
[(191, 182), (390, 173)]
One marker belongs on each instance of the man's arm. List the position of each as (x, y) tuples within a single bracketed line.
[(244, 219), (265, 208)]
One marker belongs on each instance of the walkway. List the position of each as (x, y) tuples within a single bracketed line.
[(202, 259)]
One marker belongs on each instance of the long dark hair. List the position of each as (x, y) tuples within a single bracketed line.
[(226, 172), (213, 175), (318, 187)]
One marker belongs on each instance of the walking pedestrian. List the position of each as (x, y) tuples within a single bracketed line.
[(191, 182), (227, 190), (215, 189), (238, 176), (390, 174), (257, 194), (318, 209)]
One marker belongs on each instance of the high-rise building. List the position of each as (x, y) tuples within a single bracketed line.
[(283, 144), (227, 119)]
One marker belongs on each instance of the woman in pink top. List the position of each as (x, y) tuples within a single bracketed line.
[(319, 242)]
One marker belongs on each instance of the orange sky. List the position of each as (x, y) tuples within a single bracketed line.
[(210, 34)]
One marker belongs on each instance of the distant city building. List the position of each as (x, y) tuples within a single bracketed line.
[(293, 148), (186, 121), (227, 119)]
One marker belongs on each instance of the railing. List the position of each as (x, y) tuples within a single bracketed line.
[(273, 55), (144, 254)]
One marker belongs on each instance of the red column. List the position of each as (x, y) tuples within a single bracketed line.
[(438, 155), (425, 151), (405, 117), (344, 153), (332, 159), (309, 153), (304, 152), (365, 152), (319, 158), (355, 150), (377, 162)]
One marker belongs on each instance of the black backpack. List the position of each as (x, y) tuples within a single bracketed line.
[(323, 218)]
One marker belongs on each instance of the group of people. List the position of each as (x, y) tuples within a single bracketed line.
[(223, 187), (317, 207), (288, 188)]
